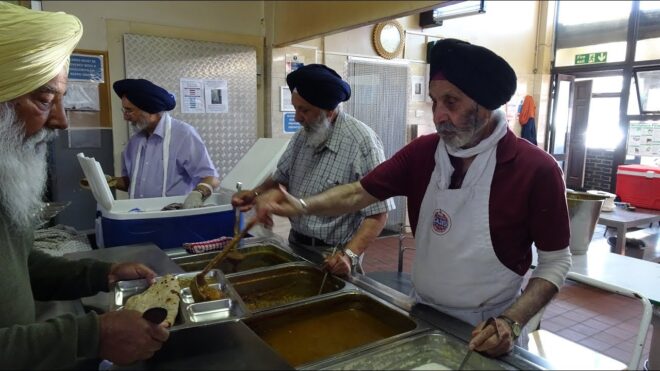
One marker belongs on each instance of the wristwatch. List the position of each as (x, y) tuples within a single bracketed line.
[(355, 258), (516, 327)]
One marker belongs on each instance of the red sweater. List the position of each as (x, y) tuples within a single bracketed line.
[(527, 196)]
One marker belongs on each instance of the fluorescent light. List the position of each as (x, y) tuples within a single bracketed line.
[(459, 9)]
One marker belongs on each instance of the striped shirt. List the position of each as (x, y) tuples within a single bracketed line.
[(351, 151)]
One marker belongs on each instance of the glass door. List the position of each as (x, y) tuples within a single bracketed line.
[(560, 124)]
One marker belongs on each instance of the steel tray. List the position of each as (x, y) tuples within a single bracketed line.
[(434, 350), (283, 285), (230, 308), (330, 326), (258, 253)]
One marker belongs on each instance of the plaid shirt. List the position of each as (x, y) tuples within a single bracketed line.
[(351, 151)]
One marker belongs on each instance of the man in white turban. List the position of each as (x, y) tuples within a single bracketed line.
[(34, 54)]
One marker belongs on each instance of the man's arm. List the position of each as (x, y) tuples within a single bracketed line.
[(122, 183), (245, 199), (339, 200), (206, 186), (368, 231), (211, 181), (546, 279)]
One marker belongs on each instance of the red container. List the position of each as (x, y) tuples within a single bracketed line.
[(639, 185)]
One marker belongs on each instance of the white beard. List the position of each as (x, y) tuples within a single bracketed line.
[(460, 138), (23, 169), (318, 131), (138, 126)]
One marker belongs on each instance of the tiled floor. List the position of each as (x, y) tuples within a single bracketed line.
[(605, 322)]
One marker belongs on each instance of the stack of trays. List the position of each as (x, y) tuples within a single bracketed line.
[(229, 308)]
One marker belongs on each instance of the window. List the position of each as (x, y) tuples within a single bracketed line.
[(603, 126), (591, 32), (648, 40)]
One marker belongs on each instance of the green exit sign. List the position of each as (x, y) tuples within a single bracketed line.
[(591, 58)]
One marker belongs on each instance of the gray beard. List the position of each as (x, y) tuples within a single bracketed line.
[(138, 126), (318, 131), (23, 169), (460, 138)]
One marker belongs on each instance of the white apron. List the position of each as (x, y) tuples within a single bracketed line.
[(166, 158), (456, 270)]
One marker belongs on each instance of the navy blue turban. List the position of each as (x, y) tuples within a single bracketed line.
[(145, 95), (481, 74), (319, 85)]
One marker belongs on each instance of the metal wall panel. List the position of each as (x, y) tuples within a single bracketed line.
[(164, 61), (380, 99)]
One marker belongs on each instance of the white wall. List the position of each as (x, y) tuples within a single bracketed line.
[(236, 17), (508, 28)]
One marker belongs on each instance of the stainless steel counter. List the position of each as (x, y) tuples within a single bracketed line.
[(225, 346), (233, 345)]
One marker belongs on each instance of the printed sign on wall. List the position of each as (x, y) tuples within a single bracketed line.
[(290, 123)]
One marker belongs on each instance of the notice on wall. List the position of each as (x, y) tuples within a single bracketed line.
[(293, 62), (82, 96), (86, 68), (192, 99), (644, 139), (215, 92), (289, 122), (285, 99)]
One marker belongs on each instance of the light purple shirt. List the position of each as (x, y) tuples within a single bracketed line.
[(189, 162)]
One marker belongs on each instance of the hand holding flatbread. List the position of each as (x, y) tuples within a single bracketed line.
[(163, 293)]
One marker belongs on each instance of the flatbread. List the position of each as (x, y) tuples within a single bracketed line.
[(163, 293)]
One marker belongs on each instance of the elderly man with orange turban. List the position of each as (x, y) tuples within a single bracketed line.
[(34, 57)]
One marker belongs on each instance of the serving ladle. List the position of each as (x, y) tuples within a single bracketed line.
[(199, 288)]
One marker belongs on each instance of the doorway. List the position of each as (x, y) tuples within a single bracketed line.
[(584, 130)]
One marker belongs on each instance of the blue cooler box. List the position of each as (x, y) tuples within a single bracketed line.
[(142, 221), (127, 222)]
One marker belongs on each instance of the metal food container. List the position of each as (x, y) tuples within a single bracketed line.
[(283, 285), (433, 350), (330, 326), (229, 308), (259, 254)]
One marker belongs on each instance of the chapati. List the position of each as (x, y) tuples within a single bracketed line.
[(163, 293)]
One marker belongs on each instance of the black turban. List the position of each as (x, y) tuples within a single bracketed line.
[(481, 74), (319, 85), (145, 95)]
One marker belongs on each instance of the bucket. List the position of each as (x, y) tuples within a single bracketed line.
[(583, 210)]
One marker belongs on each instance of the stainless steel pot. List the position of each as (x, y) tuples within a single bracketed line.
[(583, 210)]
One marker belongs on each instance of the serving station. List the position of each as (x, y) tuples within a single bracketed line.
[(280, 311)]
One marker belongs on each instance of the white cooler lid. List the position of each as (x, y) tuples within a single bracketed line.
[(258, 163), (96, 179)]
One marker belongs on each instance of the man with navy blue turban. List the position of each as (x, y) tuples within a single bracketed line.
[(478, 199), (166, 157), (331, 148)]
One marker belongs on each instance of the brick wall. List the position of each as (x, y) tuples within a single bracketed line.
[(599, 172)]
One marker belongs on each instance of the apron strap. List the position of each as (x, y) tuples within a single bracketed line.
[(166, 150)]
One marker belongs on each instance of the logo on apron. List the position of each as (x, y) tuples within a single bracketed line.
[(441, 222)]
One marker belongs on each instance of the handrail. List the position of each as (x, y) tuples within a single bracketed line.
[(647, 312)]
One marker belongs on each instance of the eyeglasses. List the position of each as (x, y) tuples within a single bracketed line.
[(127, 111)]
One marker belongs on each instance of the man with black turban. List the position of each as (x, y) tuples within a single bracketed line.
[(34, 58), (331, 148), (478, 197), (166, 157)]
